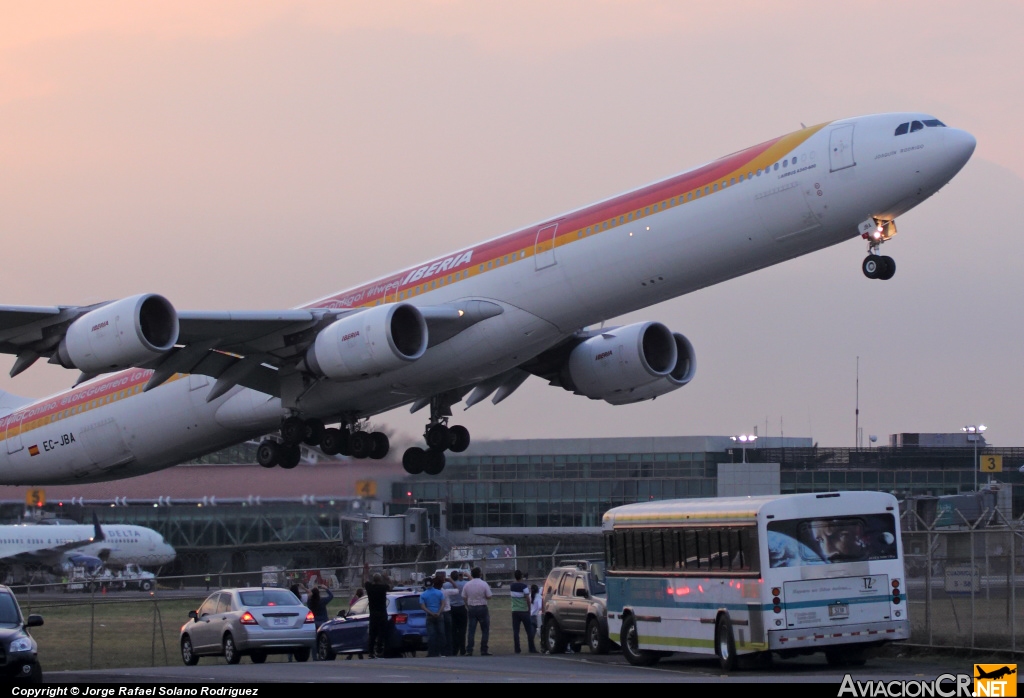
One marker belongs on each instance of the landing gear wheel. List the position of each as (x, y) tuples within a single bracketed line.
[(631, 645), (433, 462), (293, 430), (413, 460), (597, 642), (437, 437), (290, 456), (331, 441), (314, 432), (458, 438), (231, 653), (725, 646), (872, 266), (888, 269), (268, 454), (361, 444), (551, 638), (380, 445)]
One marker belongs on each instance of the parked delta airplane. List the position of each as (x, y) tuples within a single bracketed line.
[(159, 387), (114, 545)]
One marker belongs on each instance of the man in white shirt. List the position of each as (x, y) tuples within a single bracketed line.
[(476, 593)]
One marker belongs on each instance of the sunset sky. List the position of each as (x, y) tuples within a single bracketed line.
[(257, 155)]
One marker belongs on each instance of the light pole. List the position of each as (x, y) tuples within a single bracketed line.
[(974, 433), (743, 440)]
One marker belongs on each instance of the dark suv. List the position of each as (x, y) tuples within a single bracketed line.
[(575, 608), (19, 659)]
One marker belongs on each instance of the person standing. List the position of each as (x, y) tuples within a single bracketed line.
[(377, 598), (432, 603), (446, 613), (536, 606), (476, 593), (519, 593), (453, 592)]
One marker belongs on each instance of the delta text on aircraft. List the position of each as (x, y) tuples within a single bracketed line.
[(52, 545), (158, 386)]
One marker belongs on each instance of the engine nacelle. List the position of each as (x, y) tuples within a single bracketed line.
[(128, 332), (685, 368), (620, 360), (369, 342)]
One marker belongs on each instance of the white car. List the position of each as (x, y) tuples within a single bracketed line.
[(256, 622)]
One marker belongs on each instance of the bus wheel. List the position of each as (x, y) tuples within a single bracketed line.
[(725, 646), (631, 645)]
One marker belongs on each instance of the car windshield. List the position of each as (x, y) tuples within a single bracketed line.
[(268, 597), (8, 610)]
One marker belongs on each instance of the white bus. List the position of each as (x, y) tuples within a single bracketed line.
[(789, 574)]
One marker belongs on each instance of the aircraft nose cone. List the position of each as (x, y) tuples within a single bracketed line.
[(960, 145)]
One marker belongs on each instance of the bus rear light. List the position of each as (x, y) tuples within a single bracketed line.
[(777, 601), (895, 584), (895, 598), (777, 609), (776, 591)]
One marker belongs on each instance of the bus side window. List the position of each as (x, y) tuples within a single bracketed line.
[(620, 550), (657, 550), (703, 550), (692, 559)]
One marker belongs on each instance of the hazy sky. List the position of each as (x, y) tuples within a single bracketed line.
[(248, 155)]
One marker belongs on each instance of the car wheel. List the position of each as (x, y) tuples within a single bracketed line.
[(596, 640), (258, 657), (188, 653), (551, 638), (301, 654), (323, 648), (231, 653), (147, 585), (631, 645)]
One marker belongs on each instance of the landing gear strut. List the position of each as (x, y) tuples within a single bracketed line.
[(439, 438), (875, 265)]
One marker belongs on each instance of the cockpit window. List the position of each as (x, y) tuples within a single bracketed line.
[(912, 126), (933, 122), (901, 129), (916, 126)]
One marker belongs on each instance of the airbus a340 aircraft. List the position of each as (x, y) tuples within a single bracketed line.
[(159, 386)]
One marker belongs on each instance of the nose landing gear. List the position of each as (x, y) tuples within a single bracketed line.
[(875, 265), (439, 438)]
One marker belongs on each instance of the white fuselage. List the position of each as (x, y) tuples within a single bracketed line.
[(758, 207), (51, 544)]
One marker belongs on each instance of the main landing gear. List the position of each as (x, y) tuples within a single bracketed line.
[(439, 438), (877, 266), (346, 441)]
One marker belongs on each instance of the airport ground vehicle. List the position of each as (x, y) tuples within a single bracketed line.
[(20, 659), (349, 633), (786, 574), (131, 577), (255, 621), (575, 608)]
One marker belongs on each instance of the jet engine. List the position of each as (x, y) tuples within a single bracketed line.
[(128, 332), (614, 364), (685, 368), (369, 342)]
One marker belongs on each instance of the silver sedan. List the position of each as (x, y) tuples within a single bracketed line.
[(256, 622)]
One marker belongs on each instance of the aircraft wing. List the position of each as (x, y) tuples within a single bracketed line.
[(248, 348), (52, 554)]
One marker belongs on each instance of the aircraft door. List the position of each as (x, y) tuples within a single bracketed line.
[(840, 148), (544, 247), (105, 445), (14, 423)]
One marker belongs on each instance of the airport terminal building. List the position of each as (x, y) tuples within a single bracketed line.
[(229, 514)]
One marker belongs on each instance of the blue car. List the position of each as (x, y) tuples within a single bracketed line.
[(349, 633)]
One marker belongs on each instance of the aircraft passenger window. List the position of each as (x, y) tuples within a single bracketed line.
[(647, 211), (901, 129), (690, 197), (629, 217), (776, 166), (933, 122), (916, 126), (732, 181), (741, 178), (715, 187), (698, 193), (705, 190)]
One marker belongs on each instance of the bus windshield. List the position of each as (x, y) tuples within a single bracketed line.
[(824, 541)]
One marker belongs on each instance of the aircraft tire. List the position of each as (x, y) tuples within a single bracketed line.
[(293, 430), (361, 444), (888, 269), (434, 462), (458, 438), (871, 266), (331, 442), (413, 460), (268, 454), (314, 432), (290, 456), (380, 445), (437, 437)]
